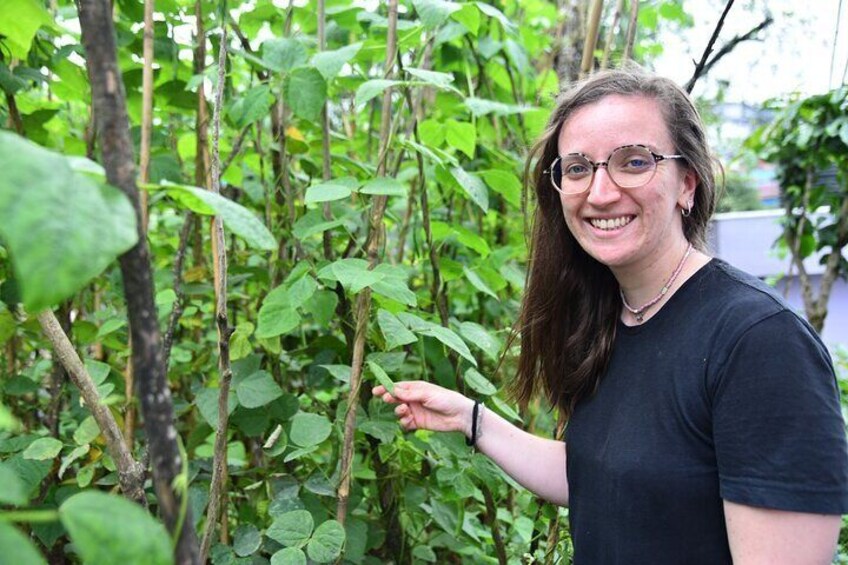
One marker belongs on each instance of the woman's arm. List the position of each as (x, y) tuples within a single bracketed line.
[(776, 537), (536, 463)]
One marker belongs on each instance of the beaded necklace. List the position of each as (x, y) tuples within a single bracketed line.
[(639, 313)]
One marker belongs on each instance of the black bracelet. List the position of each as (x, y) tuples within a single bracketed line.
[(472, 441)]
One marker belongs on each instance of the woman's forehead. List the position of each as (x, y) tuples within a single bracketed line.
[(615, 120)]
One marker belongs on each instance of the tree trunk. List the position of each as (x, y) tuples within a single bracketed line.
[(109, 102)]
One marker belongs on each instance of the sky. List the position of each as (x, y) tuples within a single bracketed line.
[(794, 56)]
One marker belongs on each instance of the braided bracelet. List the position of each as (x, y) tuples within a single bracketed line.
[(476, 421)]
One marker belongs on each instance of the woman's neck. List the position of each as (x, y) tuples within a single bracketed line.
[(646, 288)]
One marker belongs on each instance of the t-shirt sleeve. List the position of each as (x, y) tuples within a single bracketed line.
[(777, 423)]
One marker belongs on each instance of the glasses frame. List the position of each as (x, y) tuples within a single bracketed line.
[(597, 164)]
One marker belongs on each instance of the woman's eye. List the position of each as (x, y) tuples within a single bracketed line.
[(637, 162), (575, 170)]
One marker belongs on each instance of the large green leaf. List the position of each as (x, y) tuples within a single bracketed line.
[(250, 106), (14, 491), (461, 136), (372, 88), (327, 542), (473, 186), (62, 228), (480, 107), (394, 332), (292, 529), (479, 336), (19, 21), (43, 449), (505, 183), (17, 548), (276, 319), (283, 54), (237, 218), (449, 338), (330, 63), (258, 390), (289, 556), (306, 91), (309, 429), (434, 13), (110, 529)]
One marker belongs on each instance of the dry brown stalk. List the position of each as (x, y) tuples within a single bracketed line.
[(219, 461), (591, 38), (363, 302), (631, 31)]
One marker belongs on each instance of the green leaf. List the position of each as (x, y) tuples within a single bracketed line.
[(478, 283), (14, 491), (87, 431), (64, 229), (339, 372), (461, 136), (439, 80), (449, 338), (301, 290), (21, 19), (354, 274), (309, 429), (473, 186), (505, 184), (381, 376), (251, 105), (258, 390), (434, 13), (206, 401), (468, 16), (313, 223), (327, 542), (43, 449), (372, 88), (478, 336), (493, 12), (283, 54), (306, 91), (393, 284), (431, 132), (236, 217), (240, 341), (330, 63), (326, 192), (384, 185), (289, 556), (276, 319), (292, 529), (71, 457), (480, 107), (479, 383), (322, 306), (110, 529), (246, 540), (424, 553), (18, 548), (394, 332)]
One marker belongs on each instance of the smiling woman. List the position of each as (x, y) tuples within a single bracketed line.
[(703, 418)]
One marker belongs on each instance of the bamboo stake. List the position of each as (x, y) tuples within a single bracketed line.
[(610, 39), (591, 38), (325, 135), (363, 302), (130, 472), (631, 31), (219, 462)]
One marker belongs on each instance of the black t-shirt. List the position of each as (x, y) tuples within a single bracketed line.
[(725, 393)]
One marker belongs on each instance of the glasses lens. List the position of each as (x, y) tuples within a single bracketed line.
[(632, 166), (572, 174)]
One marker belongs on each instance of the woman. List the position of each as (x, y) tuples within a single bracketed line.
[(703, 418)]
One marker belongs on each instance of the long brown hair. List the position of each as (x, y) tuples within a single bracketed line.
[(571, 303)]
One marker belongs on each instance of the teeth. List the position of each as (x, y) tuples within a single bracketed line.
[(612, 223)]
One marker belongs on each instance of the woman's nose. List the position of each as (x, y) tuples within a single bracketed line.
[(603, 191)]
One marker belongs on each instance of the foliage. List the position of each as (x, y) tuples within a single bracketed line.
[(472, 89), (808, 141), (739, 194)]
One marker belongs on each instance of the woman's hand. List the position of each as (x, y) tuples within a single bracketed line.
[(425, 406)]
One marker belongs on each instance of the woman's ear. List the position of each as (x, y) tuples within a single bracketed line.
[(687, 194)]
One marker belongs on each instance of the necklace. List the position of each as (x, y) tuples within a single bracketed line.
[(639, 313)]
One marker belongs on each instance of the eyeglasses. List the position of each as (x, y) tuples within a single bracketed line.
[(629, 166)]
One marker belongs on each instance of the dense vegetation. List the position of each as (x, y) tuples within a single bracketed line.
[(366, 166)]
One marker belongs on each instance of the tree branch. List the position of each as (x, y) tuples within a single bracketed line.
[(631, 31), (700, 66), (130, 472), (591, 37), (731, 45)]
